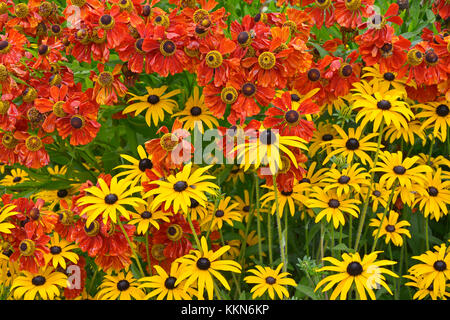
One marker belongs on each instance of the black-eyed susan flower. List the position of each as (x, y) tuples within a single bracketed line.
[(390, 79), (407, 134), (120, 287), (434, 162), (178, 190), (435, 268), (109, 201), (266, 148), (47, 283), (332, 206), (434, 195), (363, 274), (162, 284), (225, 212), (424, 291), (323, 133), (200, 266), (345, 180), (15, 177), (269, 280), (135, 171), (390, 227), (244, 205), (9, 270), (60, 251), (383, 105), (396, 169), (146, 217), (196, 113), (351, 145), (57, 170), (5, 213), (155, 102), (197, 211), (437, 116), (289, 199), (379, 195), (236, 174)]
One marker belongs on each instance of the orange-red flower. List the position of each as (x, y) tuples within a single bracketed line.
[(31, 149), (12, 47), (108, 87)]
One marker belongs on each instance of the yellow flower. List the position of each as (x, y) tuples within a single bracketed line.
[(123, 287), (200, 266), (109, 201), (155, 101), (60, 250), (365, 274), (270, 280), (391, 228)]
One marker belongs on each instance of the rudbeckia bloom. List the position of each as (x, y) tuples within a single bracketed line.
[(269, 280), (390, 227), (47, 283), (351, 145), (163, 285), (123, 287), (156, 103), (422, 290), (288, 199), (434, 195), (434, 269), (365, 274), (16, 176), (60, 250), (332, 206), (200, 266), (196, 113), (264, 149), (346, 180), (135, 171), (177, 190), (395, 168), (437, 116), (383, 106), (224, 212), (6, 212), (109, 200), (145, 218)]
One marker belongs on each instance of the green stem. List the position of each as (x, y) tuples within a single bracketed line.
[(427, 241), (280, 234), (197, 241), (366, 201), (388, 205), (131, 247), (258, 222), (149, 262)]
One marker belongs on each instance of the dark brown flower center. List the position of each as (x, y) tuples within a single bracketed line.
[(270, 280), (344, 179), (267, 137), (203, 264), (196, 111), (390, 228), (62, 193), (442, 110), (383, 105), (314, 74), (248, 89), (389, 76), (111, 198), (153, 99), (333, 203), (55, 250), (440, 265), (292, 116), (399, 170), (219, 213), (123, 285), (354, 268), (432, 191), (352, 144), (170, 283), (145, 164), (180, 186), (38, 281)]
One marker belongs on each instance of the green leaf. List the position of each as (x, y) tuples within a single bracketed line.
[(307, 291)]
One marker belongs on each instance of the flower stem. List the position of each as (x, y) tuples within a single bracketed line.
[(366, 202), (131, 246), (258, 222), (280, 234), (148, 254), (388, 204)]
